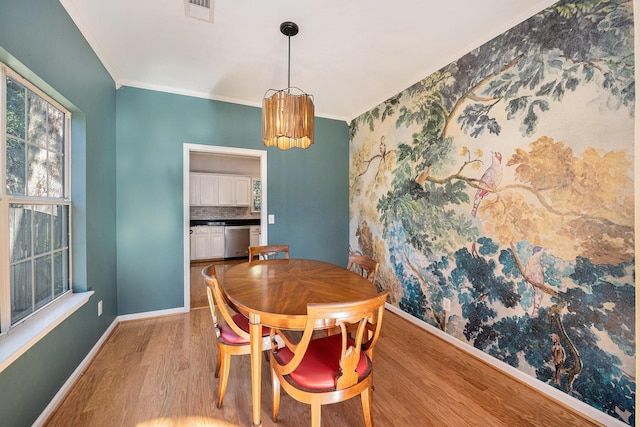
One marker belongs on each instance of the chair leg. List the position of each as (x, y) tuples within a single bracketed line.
[(315, 415), (275, 390), (224, 378), (366, 396), (218, 362)]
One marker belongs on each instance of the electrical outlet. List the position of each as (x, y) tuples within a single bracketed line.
[(446, 304), (99, 308)]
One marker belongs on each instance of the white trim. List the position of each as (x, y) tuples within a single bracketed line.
[(149, 314), (15, 342), (579, 406), (187, 149)]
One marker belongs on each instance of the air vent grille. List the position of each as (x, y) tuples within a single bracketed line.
[(199, 9), (201, 3)]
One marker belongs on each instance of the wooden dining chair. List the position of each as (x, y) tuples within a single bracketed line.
[(365, 266), (268, 252), (333, 368), (232, 334)]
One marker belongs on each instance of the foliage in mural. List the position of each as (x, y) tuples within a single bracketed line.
[(502, 184)]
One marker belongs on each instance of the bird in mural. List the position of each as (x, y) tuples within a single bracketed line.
[(383, 156), (534, 273), (491, 179), (558, 356)]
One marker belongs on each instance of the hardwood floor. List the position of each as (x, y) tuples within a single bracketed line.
[(197, 288), (160, 372)]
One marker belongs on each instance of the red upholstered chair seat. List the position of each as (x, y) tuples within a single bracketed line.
[(230, 337), (320, 366)]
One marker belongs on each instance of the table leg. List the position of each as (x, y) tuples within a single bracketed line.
[(255, 332)]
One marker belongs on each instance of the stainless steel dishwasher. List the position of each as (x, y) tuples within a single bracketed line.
[(236, 241)]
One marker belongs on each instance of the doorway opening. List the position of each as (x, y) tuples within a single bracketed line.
[(188, 150)]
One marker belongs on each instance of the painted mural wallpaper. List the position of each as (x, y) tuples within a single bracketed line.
[(498, 196)]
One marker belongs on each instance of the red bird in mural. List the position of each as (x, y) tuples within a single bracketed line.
[(491, 178)]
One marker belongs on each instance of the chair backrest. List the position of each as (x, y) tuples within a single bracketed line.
[(219, 302), (366, 267), (268, 252), (365, 314)]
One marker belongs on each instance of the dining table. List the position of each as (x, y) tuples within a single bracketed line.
[(275, 293)]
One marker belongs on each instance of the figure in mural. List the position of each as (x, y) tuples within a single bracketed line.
[(534, 272), (558, 356), (566, 186), (383, 155), (490, 180)]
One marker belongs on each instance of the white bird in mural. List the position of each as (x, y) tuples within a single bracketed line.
[(491, 178), (534, 273)]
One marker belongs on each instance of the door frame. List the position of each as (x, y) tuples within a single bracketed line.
[(187, 149)]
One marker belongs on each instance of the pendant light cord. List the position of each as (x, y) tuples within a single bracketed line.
[(289, 68)]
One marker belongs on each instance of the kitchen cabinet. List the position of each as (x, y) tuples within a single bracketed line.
[(207, 242), (206, 189), (254, 235), (203, 189), (217, 242), (209, 190), (233, 190)]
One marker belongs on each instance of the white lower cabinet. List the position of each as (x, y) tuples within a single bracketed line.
[(217, 242), (207, 242), (254, 235)]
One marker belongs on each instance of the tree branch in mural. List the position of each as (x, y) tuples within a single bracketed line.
[(556, 314)]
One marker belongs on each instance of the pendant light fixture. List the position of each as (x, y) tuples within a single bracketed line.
[(287, 118)]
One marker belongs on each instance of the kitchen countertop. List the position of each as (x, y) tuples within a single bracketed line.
[(223, 222)]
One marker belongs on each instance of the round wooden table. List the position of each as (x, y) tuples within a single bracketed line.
[(276, 292)]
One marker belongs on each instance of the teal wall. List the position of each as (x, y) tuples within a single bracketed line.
[(307, 189), (39, 40)]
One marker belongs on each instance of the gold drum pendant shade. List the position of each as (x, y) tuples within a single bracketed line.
[(287, 120), (287, 117)]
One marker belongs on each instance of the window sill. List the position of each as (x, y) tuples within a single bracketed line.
[(18, 340)]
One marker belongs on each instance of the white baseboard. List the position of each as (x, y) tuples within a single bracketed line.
[(565, 399), (66, 387), (149, 314)]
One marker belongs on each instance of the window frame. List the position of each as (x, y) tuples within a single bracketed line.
[(7, 200)]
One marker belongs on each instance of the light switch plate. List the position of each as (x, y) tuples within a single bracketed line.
[(272, 219)]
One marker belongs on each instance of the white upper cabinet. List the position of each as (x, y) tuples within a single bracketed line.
[(207, 189), (242, 190), (226, 195)]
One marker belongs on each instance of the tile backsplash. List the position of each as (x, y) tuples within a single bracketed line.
[(222, 212)]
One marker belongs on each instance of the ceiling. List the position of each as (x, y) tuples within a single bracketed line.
[(350, 55)]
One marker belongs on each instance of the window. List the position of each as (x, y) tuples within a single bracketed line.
[(35, 205)]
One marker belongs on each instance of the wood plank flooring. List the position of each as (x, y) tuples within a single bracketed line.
[(160, 372), (197, 288)]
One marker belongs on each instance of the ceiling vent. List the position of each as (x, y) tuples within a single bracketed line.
[(199, 9)]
